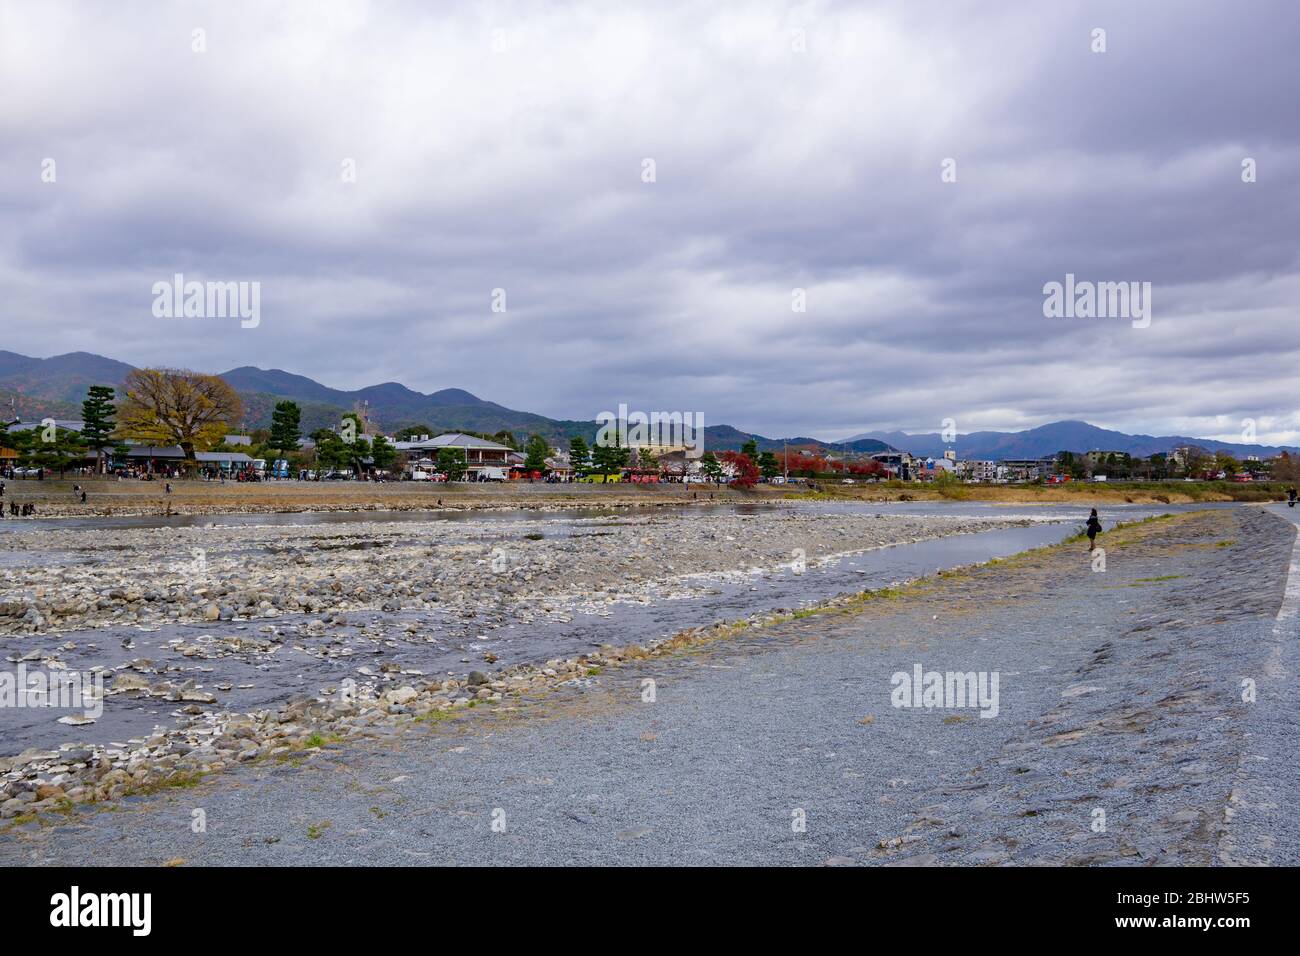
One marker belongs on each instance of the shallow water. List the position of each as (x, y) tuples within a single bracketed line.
[(449, 643), (1047, 512)]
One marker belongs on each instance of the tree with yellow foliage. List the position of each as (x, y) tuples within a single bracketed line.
[(177, 407)]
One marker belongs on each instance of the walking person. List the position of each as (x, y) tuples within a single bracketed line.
[(1093, 528), (1290, 495)]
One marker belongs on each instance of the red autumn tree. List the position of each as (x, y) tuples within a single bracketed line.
[(746, 472)]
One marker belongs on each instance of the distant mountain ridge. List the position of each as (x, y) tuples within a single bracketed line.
[(55, 386), (1075, 436)]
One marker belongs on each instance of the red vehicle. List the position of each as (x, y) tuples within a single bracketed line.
[(1243, 476), (1057, 479), (642, 477)]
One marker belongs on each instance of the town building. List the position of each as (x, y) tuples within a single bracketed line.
[(156, 458), (899, 464), (480, 454), (1027, 469)]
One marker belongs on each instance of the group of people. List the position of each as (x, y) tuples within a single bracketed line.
[(27, 509), (15, 509)]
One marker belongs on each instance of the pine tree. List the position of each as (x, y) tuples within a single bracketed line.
[(710, 467), (609, 459), (286, 429), (536, 453), (382, 453), (99, 414), (579, 454)]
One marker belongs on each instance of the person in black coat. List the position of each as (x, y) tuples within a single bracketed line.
[(1093, 528)]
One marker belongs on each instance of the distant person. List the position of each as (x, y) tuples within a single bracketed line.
[(83, 497), (1290, 496), (168, 488), (1093, 528)]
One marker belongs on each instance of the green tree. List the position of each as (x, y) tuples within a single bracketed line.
[(750, 450), (451, 462), (54, 450), (768, 465), (331, 451), (504, 437), (1227, 464), (411, 432), (579, 454), (609, 459), (99, 415), (383, 454), (709, 467), (357, 453), (535, 453), (286, 427)]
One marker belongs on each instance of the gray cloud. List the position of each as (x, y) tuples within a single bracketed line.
[(501, 146)]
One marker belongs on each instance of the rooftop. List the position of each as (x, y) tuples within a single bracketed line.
[(450, 440)]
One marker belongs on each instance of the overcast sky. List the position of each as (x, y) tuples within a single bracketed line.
[(795, 146)]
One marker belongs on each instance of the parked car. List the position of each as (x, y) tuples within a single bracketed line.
[(846, 481)]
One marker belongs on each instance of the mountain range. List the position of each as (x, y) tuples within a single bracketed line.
[(56, 386), (1048, 439)]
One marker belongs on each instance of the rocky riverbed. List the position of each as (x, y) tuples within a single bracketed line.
[(332, 628), (1123, 737), (77, 579)]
